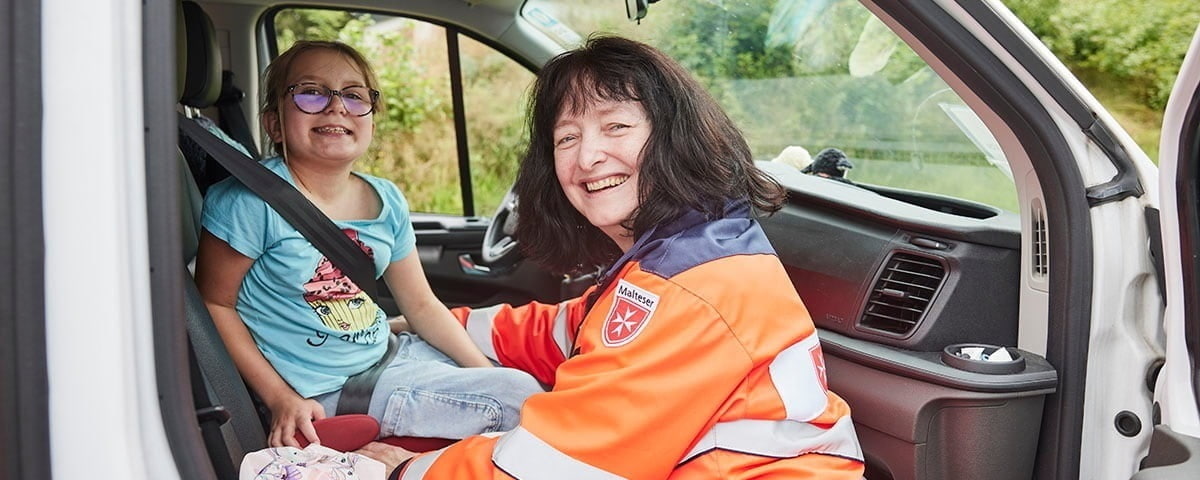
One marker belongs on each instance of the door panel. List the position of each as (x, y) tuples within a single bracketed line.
[(921, 429), (1173, 456), (905, 280), (1175, 445), (446, 242)]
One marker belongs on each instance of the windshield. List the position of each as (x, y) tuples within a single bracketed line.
[(800, 76)]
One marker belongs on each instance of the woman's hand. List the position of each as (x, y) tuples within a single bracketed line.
[(389, 455), (292, 414)]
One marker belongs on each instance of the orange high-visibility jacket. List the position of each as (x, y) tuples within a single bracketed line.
[(696, 361)]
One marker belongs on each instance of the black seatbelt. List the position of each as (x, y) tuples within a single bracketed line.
[(356, 392), (315, 226), (233, 121)]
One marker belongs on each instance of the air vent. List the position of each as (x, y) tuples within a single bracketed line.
[(903, 293), (1041, 244)]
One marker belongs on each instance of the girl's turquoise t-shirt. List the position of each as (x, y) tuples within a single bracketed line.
[(312, 323)]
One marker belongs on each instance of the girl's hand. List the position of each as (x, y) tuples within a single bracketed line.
[(293, 414)]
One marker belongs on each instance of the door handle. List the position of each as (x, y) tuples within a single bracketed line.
[(469, 267)]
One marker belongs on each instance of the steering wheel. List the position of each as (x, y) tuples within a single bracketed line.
[(499, 247)]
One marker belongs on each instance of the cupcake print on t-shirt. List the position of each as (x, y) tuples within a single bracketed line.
[(339, 303)]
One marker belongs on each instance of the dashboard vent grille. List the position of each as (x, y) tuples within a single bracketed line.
[(1041, 244), (903, 293)]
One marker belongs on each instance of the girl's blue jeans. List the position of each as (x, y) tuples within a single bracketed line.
[(423, 393)]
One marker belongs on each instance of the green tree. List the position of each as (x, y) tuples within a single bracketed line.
[(1127, 53), (1140, 44)]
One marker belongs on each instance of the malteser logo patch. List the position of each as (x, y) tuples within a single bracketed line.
[(631, 311)]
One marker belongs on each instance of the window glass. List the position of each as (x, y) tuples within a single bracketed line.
[(495, 97), (414, 143), (814, 74)]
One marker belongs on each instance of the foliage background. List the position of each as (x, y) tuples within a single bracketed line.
[(414, 141), (1127, 53)]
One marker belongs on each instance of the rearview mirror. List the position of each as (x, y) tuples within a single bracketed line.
[(636, 9)]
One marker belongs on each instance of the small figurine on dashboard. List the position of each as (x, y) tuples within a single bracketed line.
[(830, 163)]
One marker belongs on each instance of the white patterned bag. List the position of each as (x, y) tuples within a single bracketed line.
[(314, 462)]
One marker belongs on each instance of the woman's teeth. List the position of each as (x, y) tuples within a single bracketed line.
[(605, 183)]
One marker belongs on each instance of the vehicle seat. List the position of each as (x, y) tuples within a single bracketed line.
[(190, 198), (229, 422)]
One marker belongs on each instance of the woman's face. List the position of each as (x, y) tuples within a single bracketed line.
[(597, 156), (332, 135)]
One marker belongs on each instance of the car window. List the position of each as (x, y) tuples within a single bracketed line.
[(495, 96), (415, 143), (800, 76)]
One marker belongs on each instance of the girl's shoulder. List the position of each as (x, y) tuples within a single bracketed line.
[(388, 191), (229, 193)]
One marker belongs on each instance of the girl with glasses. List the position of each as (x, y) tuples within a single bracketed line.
[(295, 325)]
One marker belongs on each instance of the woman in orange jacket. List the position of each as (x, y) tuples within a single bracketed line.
[(693, 357)]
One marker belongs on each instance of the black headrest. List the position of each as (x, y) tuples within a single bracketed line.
[(203, 79)]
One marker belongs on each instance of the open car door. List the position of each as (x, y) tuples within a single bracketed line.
[(1175, 445)]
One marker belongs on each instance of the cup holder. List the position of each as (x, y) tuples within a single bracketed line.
[(983, 358)]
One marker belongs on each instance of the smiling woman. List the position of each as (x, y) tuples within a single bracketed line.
[(643, 164)]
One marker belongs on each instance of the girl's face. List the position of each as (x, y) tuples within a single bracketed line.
[(332, 135), (597, 156)]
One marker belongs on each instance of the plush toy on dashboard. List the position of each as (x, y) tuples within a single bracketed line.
[(830, 163)]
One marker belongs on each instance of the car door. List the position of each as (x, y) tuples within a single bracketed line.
[(1175, 445), (991, 201)]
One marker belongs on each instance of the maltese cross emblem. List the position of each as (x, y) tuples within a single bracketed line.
[(631, 310)]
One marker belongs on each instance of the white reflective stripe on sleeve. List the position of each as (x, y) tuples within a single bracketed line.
[(526, 457), (419, 466), (479, 328), (560, 331), (794, 373), (780, 439)]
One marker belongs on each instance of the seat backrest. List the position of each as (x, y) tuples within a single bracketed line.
[(189, 194), (203, 88), (229, 420), (219, 392), (190, 203)]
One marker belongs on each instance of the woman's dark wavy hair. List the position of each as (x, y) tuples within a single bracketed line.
[(695, 158)]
